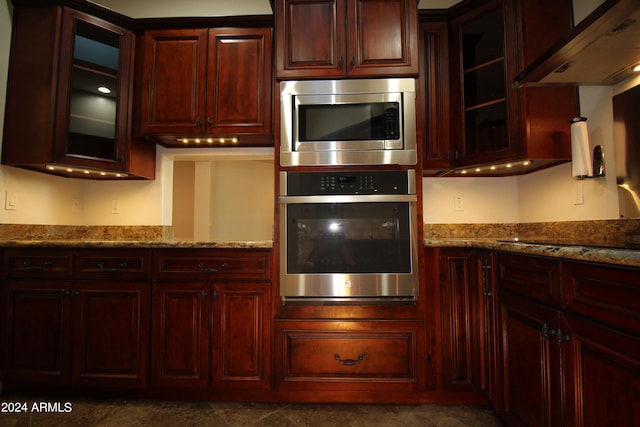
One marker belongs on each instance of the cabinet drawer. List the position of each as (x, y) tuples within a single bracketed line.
[(606, 294), (530, 276), (225, 264), (34, 263), (113, 264), (349, 355)]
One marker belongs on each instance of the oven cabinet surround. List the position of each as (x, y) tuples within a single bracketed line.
[(491, 42), (214, 82), (211, 317), (346, 38), (54, 115), (468, 321), (76, 319), (570, 340)]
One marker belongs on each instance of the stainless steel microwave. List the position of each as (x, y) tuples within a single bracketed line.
[(348, 122)]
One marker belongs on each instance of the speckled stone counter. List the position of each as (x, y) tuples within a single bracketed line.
[(186, 244), (628, 257), (133, 236)]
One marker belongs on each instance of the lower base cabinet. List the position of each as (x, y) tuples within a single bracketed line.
[(209, 334), (211, 319), (570, 341), (83, 334), (75, 318), (349, 355)]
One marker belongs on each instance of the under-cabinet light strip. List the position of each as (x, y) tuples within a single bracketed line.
[(83, 171), (233, 140), (493, 168)]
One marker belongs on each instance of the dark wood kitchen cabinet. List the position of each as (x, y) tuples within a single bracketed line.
[(36, 331), (351, 355), (110, 336), (602, 362), (492, 41), (181, 334), (571, 341), (209, 82), (61, 328), (433, 95), (469, 327), (338, 38), (59, 117), (215, 303)]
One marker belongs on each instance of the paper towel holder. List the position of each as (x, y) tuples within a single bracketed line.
[(599, 170), (594, 162)]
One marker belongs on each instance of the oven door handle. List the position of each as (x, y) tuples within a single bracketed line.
[(366, 198)]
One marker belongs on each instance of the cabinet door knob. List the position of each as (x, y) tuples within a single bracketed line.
[(198, 121), (340, 62)]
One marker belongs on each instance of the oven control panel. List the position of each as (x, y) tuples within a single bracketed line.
[(348, 182)]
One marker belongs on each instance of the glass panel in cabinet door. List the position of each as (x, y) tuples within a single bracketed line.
[(94, 93), (483, 39), (484, 84), (486, 129)]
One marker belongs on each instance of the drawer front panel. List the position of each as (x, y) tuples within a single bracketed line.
[(113, 264), (35, 263), (349, 356), (240, 264), (609, 295), (532, 277)]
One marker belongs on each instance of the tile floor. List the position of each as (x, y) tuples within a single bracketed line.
[(125, 413)]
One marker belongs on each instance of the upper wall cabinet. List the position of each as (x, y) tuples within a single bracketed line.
[(67, 108), (493, 122), (346, 38), (206, 87)]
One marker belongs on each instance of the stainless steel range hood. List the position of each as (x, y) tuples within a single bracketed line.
[(600, 50)]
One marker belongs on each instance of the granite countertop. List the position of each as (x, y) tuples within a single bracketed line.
[(599, 254), (178, 244)]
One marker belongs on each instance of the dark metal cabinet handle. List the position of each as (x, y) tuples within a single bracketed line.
[(105, 269), (485, 288), (349, 362), (546, 331), (29, 267), (198, 121), (561, 337), (340, 62), (353, 61), (204, 269)]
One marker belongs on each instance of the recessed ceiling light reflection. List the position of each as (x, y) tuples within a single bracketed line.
[(104, 89)]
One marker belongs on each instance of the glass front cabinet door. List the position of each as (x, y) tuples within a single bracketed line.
[(95, 104), (68, 105)]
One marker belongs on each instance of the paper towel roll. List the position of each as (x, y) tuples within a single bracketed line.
[(580, 149)]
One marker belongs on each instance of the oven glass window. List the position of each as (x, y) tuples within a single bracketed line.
[(348, 122), (348, 238)]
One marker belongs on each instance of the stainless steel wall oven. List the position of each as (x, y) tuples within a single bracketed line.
[(348, 237)]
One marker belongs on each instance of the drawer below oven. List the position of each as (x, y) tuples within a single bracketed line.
[(354, 355)]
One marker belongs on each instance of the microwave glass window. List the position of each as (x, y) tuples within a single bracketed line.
[(349, 122), (348, 238)]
